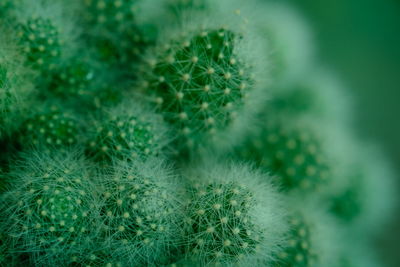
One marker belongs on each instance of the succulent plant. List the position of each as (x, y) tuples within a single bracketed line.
[(140, 213), (233, 216), (49, 208), (294, 153), (199, 83), (50, 127), (133, 134), (40, 41)]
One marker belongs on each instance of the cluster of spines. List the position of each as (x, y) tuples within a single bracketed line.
[(49, 128), (73, 79), (299, 251), (123, 137), (198, 82), (116, 35), (295, 154), (139, 214), (48, 210), (219, 227), (40, 41)]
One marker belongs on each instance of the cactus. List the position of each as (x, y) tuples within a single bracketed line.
[(73, 79), (233, 216), (49, 208), (40, 41), (50, 127), (134, 134), (114, 31), (295, 153), (311, 96), (199, 83), (140, 212)]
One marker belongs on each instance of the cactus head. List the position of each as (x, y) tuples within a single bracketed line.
[(140, 212), (49, 128), (133, 134), (72, 79), (48, 210), (198, 83), (295, 154), (41, 43), (228, 220), (299, 251)]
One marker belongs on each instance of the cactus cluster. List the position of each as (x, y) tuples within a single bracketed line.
[(178, 133)]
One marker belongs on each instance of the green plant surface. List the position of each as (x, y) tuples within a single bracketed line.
[(49, 208), (229, 221)]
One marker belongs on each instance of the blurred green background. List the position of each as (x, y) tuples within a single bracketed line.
[(360, 39)]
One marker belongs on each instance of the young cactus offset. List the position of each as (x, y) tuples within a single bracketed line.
[(199, 79), (137, 133), (140, 212), (49, 209), (234, 216), (295, 153), (50, 127)]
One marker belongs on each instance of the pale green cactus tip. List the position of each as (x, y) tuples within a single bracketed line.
[(129, 131), (233, 216), (140, 212), (49, 208), (199, 83), (296, 154)]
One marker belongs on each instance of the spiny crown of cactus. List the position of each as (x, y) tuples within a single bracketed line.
[(295, 154), (198, 82), (72, 79), (48, 210), (140, 212), (136, 134), (222, 224), (50, 127), (40, 41), (299, 251)]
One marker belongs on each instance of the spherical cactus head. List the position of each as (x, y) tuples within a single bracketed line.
[(295, 153), (232, 217), (140, 211), (198, 83), (40, 41), (50, 127), (49, 208), (72, 79), (136, 134)]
